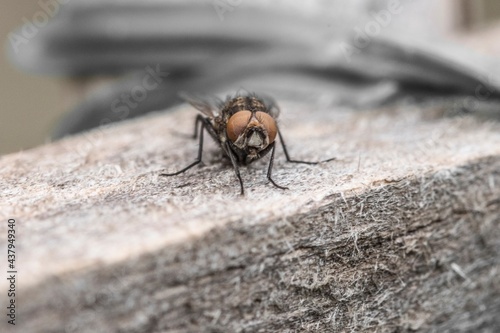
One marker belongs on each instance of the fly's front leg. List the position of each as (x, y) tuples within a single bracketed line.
[(204, 123), (297, 161), (235, 166), (270, 169)]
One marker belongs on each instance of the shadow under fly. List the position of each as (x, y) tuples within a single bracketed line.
[(245, 128)]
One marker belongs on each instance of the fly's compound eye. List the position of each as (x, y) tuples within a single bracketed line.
[(269, 124), (237, 124)]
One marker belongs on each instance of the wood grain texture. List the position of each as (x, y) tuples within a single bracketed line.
[(400, 234)]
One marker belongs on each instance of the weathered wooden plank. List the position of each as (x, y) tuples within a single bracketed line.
[(400, 234)]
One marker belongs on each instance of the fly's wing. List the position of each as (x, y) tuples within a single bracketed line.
[(204, 104)]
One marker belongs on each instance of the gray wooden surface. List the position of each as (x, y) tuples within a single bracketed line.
[(401, 233)]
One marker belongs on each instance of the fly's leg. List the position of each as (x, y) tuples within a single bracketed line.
[(270, 169), (204, 123), (298, 161), (235, 166), (199, 119)]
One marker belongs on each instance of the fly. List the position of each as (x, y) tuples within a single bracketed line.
[(245, 128)]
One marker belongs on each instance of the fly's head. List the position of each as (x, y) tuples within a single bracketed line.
[(251, 132)]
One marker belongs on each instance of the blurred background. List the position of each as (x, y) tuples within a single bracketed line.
[(71, 65), (31, 104)]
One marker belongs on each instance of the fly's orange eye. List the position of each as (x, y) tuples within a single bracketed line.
[(237, 124), (269, 124)]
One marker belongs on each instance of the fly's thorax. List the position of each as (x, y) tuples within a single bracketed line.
[(252, 131), (243, 103)]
